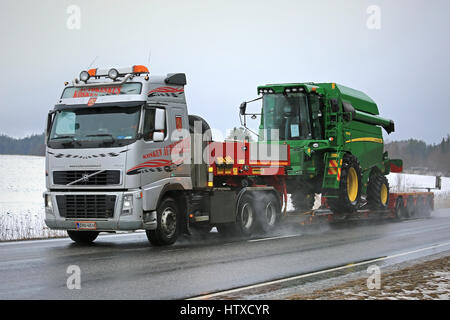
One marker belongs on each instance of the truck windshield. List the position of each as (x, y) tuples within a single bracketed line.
[(288, 114), (94, 127)]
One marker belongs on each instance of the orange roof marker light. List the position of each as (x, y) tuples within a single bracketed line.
[(140, 69), (92, 72)]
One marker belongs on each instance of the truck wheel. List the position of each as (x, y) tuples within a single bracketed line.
[(166, 232), (246, 215), (349, 194), (83, 237), (302, 201), (378, 192), (268, 212)]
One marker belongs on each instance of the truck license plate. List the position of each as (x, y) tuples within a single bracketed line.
[(86, 225)]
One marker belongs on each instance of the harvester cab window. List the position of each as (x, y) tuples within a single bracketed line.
[(287, 113), (149, 124)]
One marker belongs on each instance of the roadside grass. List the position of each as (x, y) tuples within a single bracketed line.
[(26, 226)]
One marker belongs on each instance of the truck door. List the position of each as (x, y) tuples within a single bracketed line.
[(156, 162)]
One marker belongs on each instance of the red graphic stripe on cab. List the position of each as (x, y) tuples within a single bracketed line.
[(166, 90)]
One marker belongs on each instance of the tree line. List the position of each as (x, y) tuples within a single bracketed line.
[(422, 157), (33, 145)]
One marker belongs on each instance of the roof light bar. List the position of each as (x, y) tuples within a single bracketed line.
[(84, 76)]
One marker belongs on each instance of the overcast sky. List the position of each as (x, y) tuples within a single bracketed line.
[(227, 48)]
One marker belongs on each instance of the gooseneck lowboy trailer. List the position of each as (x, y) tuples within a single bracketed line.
[(124, 154)]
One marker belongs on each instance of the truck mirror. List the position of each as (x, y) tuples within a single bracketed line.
[(49, 124), (158, 136), (160, 119), (243, 107)]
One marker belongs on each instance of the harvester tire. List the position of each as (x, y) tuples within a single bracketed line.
[(349, 193), (378, 192)]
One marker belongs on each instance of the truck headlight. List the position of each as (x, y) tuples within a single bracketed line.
[(127, 205)]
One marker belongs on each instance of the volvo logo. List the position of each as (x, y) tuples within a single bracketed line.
[(85, 178)]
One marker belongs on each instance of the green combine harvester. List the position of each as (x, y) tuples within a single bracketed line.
[(336, 144)]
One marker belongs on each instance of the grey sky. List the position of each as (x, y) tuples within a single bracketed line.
[(227, 48)]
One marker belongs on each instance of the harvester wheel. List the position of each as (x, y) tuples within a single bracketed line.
[(302, 201), (378, 192), (349, 194)]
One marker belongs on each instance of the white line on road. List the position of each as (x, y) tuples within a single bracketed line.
[(274, 238), (351, 265)]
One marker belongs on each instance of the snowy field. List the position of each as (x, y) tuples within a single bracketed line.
[(22, 182)]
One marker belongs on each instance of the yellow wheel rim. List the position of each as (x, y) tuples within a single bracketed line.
[(383, 194), (352, 184)]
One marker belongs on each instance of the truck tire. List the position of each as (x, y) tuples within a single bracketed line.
[(349, 194), (378, 192), (82, 237), (268, 212), (302, 201), (167, 217), (246, 219)]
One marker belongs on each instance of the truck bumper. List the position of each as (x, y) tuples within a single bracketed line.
[(126, 215)]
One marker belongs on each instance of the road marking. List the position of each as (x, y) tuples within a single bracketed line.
[(351, 265), (274, 238)]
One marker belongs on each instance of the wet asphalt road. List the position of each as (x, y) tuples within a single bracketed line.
[(127, 267)]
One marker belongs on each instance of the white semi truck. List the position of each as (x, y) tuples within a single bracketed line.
[(119, 157)]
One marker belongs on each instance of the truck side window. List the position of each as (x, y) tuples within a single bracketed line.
[(149, 124)]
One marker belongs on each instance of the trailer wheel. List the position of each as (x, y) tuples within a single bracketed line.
[(82, 237), (378, 192), (399, 209), (166, 232), (428, 207), (423, 207), (349, 194), (246, 215), (410, 208), (268, 212)]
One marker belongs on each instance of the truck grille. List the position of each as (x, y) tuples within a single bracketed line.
[(86, 206), (104, 178)]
